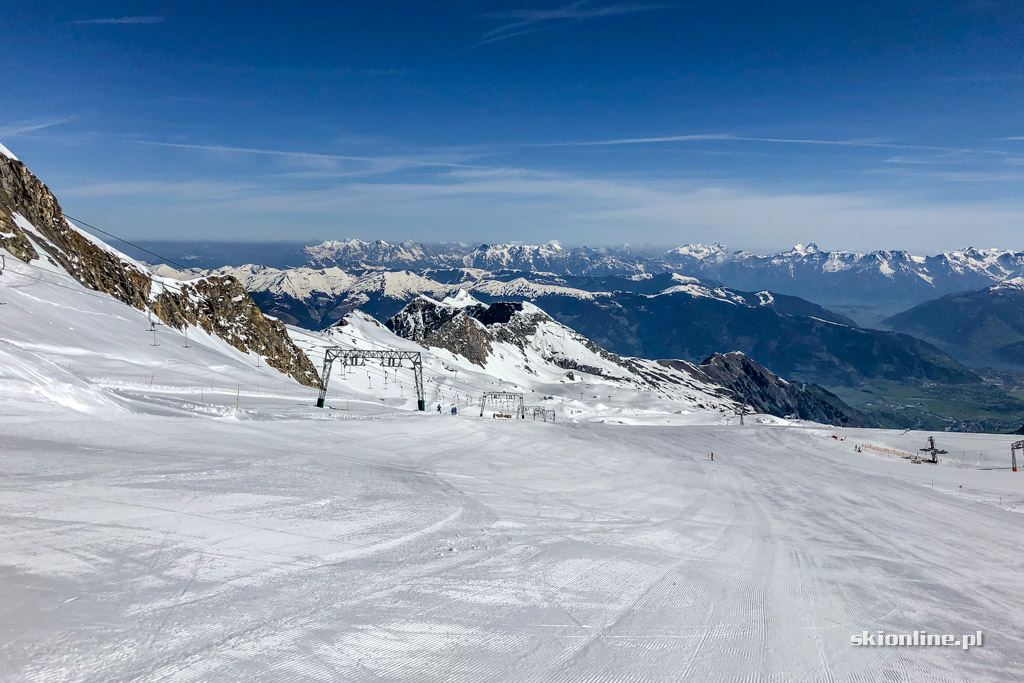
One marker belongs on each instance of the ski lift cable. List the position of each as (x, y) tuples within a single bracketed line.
[(131, 244)]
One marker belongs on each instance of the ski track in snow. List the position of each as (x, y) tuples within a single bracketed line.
[(462, 549), (194, 518)]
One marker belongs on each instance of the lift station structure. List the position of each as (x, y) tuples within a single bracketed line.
[(388, 359), (512, 399)]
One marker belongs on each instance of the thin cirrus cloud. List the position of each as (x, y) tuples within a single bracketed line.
[(726, 137), (525, 21), (19, 128), (122, 20), (326, 163), (193, 191)]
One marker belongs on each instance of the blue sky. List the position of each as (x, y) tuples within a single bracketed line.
[(856, 125)]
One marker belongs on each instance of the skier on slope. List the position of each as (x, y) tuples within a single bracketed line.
[(439, 408), (712, 456), (455, 411)]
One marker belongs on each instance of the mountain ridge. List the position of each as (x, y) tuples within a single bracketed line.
[(981, 327), (874, 284)]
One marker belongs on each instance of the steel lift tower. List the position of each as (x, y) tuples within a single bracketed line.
[(387, 359), (933, 451), (508, 397)]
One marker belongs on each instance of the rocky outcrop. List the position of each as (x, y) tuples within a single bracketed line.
[(463, 335), (765, 392), (453, 328), (32, 226), (469, 328)]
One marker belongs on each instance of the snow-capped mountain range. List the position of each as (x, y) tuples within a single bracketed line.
[(315, 298), (834, 276), (867, 287), (548, 258), (654, 316)]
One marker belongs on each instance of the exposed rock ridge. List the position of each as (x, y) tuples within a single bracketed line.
[(768, 393)]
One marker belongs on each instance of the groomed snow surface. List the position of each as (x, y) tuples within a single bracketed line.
[(172, 513)]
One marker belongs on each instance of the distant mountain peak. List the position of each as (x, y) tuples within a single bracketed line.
[(700, 251), (804, 250), (461, 299)]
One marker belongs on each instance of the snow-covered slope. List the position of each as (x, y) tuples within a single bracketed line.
[(67, 347), (1013, 285), (605, 390), (35, 234), (296, 282), (696, 288), (27, 377)]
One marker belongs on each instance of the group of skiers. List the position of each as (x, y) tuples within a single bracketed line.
[(454, 410)]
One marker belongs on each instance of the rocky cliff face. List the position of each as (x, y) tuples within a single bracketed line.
[(767, 393), (32, 227)]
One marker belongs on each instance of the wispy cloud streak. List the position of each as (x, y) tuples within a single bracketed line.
[(701, 137), (122, 20), (526, 21), (378, 164), (25, 127)]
